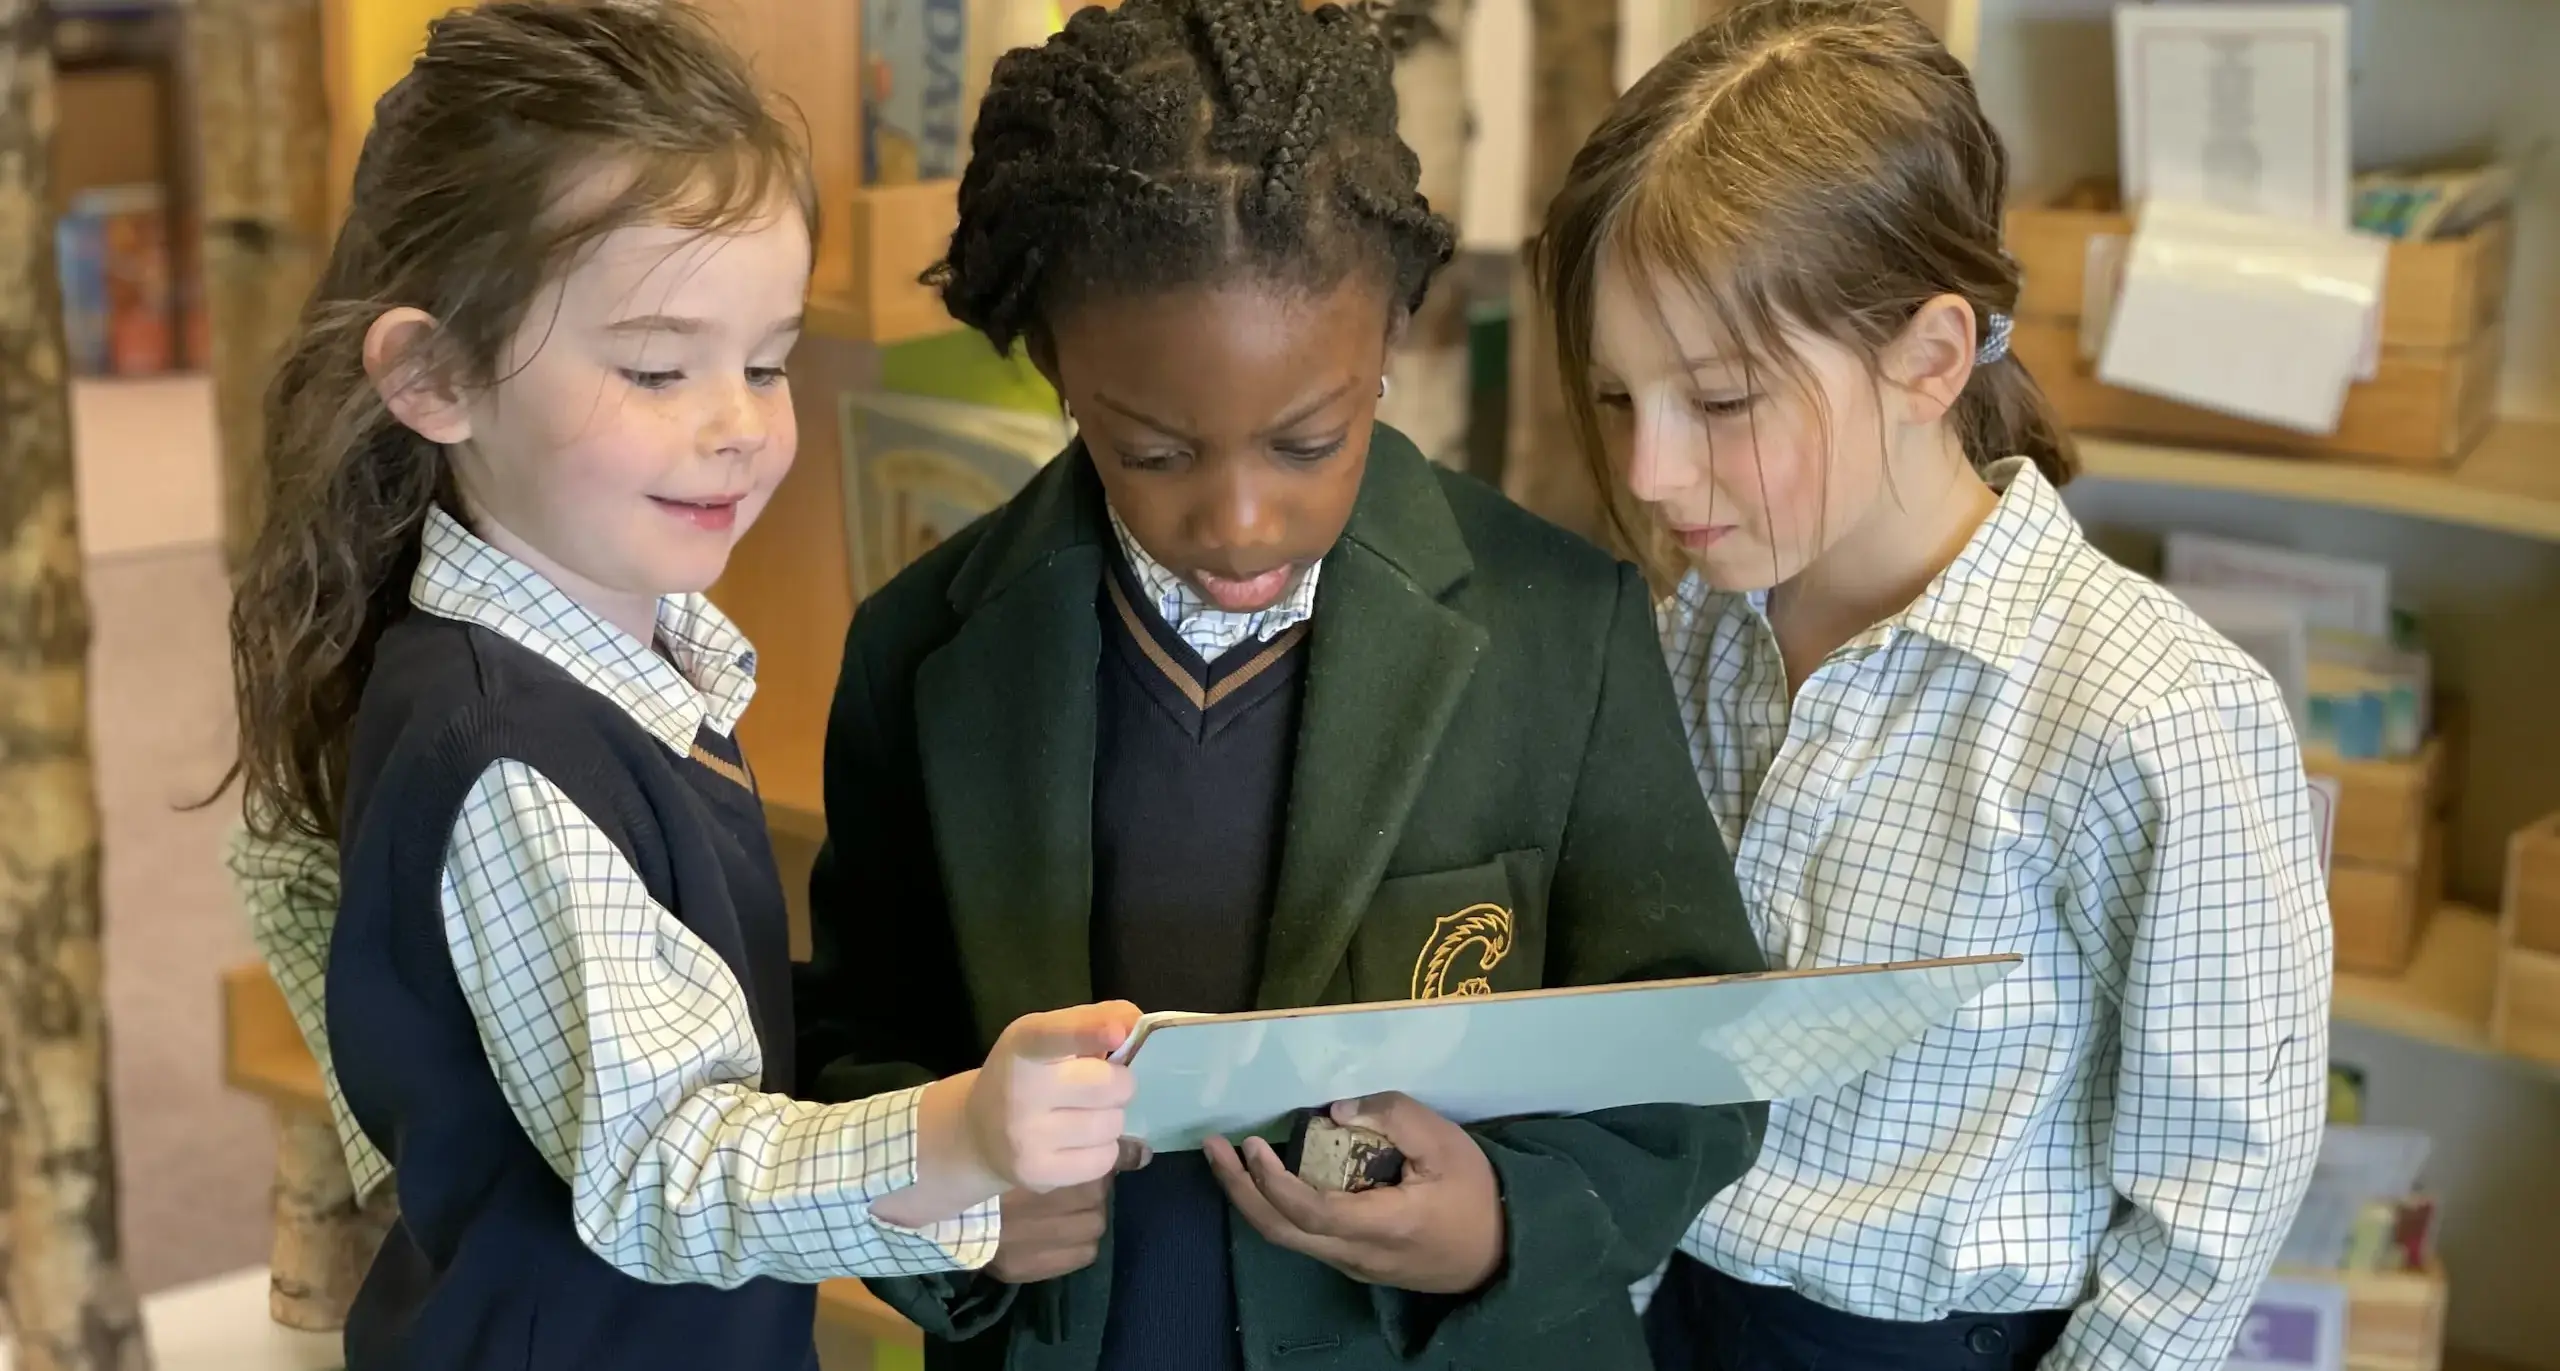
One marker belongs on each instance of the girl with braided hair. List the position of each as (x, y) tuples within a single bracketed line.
[(1242, 704)]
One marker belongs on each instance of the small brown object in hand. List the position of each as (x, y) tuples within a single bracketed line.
[(1341, 1157)]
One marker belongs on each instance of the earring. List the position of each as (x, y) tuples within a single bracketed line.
[(1383, 387)]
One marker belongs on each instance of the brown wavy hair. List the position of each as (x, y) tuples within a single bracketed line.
[(457, 210), (1817, 162)]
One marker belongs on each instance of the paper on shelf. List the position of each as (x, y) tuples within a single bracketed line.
[(2248, 315), (1717, 1040), (2242, 107), (2335, 593)]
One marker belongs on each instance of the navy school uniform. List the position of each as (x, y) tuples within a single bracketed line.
[(1034, 801)]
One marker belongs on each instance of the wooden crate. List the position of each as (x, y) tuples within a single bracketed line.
[(2395, 1320), (893, 234), (2378, 912), (2424, 407), (2531, 916), (2524, 1017), (2434, 295), (2384, 804), (2435, 385)]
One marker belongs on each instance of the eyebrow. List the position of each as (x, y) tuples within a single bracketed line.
[(686, 325), (1291, 419)]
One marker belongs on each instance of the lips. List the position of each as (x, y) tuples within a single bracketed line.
[(1700, 537), (1243, 595), (712, 514)]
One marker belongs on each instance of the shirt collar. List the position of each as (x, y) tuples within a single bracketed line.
[(710, 681), (1985, 603), (1207, 629)]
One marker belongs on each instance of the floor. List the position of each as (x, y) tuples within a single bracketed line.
[(194, 1158), (222, 1325)]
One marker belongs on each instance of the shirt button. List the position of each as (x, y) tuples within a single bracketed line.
[(1986, 1340)]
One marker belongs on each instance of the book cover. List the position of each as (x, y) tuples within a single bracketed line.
[(918, 470)]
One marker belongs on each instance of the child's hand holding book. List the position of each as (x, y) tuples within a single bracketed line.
[(1043, 1114)]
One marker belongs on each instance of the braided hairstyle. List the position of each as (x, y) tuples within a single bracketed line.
[(1171, 143)]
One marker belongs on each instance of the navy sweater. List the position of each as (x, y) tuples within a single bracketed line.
[(485, 1269)]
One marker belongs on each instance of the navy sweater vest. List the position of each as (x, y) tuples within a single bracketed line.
[(1190, 802), (485, 1270)]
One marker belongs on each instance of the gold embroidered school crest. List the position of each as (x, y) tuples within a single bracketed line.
[(1485, 930)]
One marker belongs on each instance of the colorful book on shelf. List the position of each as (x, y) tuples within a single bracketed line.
[(925, 66)]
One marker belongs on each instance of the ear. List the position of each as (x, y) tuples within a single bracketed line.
[(1932, 360), (395, 353), (1399, 322)]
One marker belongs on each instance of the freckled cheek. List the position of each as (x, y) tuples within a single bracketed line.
[(625, 448)]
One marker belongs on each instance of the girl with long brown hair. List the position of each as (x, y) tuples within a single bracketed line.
[(1931, 720), (535, 399)]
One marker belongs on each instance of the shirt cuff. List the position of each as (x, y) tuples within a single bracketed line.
[(966, 1242)]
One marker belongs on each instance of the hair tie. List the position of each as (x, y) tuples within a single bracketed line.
[(1995, 339)]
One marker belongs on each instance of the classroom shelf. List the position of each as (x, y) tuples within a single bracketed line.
[(2443, 998), (2509, 484)]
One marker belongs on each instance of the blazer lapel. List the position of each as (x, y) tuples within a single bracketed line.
[(1005, 725), (1389, 662)]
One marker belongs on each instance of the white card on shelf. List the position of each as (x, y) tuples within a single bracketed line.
[(2248, 315), (2241, 107)]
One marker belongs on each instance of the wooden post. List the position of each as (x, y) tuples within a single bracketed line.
[(1573, 59), (73, 1309), (263, 118), (1429, 368)]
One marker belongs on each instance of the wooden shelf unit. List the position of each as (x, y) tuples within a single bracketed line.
[(2443, 999), (2509, 484)]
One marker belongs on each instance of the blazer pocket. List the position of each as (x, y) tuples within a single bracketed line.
[(1472, 931)]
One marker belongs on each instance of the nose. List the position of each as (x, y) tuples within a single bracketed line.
[(737, 425), (1665, 456), (1238, 520)]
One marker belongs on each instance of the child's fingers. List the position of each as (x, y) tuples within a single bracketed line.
[(1088, 1083), (1351, 1218), (1135, 1154), (1091, 1030), (1070, 1166)]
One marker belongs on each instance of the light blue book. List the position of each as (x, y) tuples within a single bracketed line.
[(1706, 1041)]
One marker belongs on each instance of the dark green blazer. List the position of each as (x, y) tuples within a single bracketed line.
[(1487, 722)]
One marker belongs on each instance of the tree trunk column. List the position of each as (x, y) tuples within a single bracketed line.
[(1573, 56), (1428, 369), (263, 116), (325, 1236), (71, 1306), (264, 121)]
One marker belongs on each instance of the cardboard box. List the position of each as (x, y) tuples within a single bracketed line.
[(2432, 396)]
